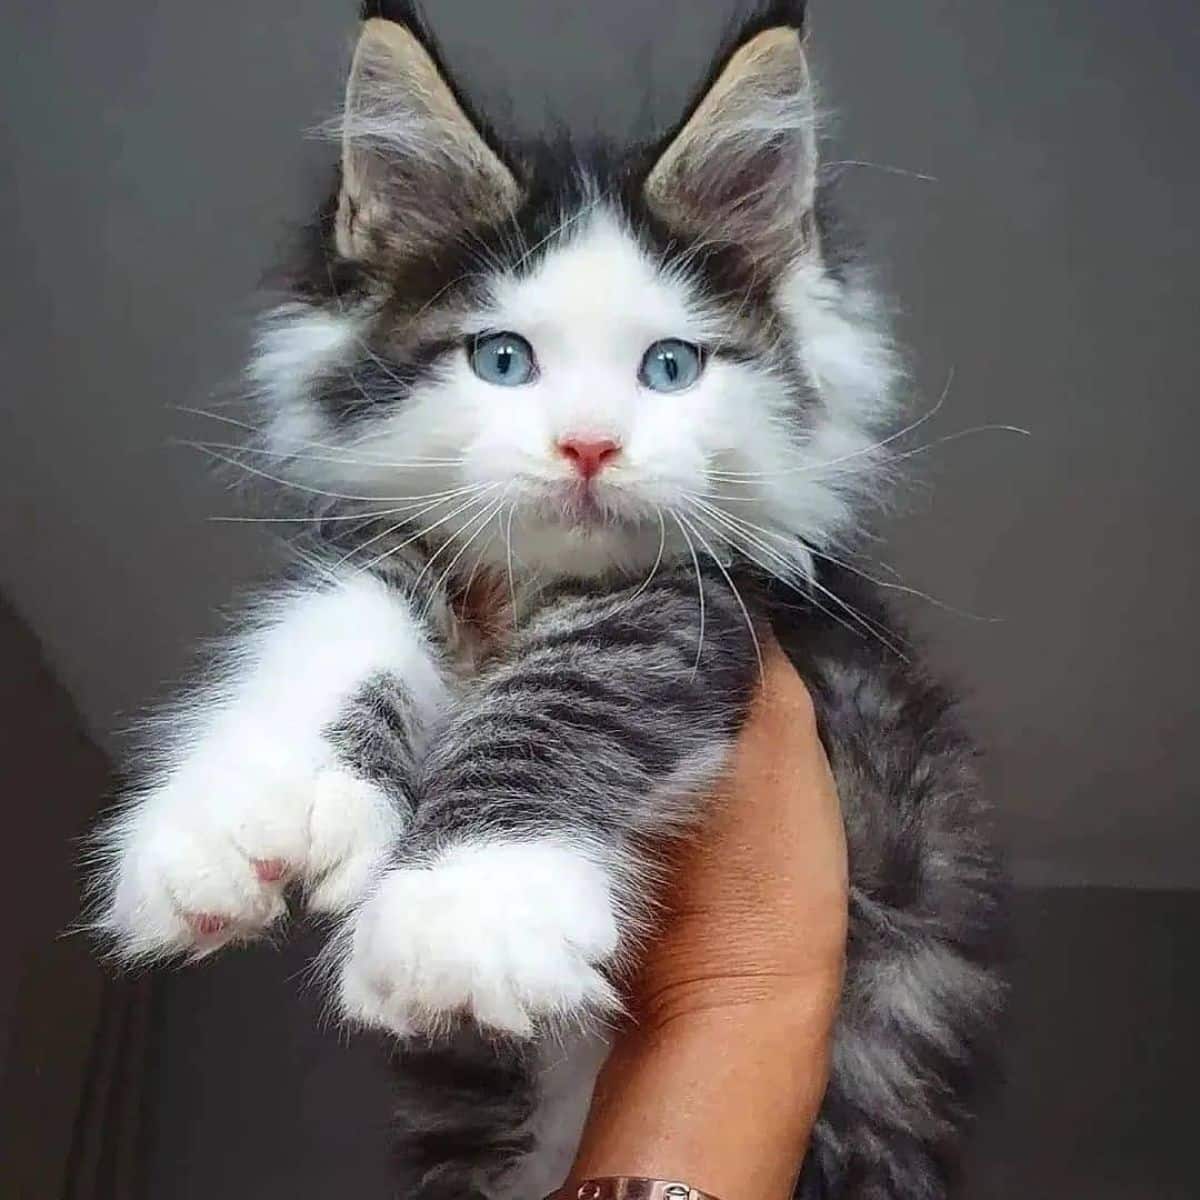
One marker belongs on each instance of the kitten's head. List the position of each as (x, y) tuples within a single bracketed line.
[(572, 361)]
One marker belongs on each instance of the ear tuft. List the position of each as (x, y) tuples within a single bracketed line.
[(415, 166), (402, 12), (743, 166), (776, 14)]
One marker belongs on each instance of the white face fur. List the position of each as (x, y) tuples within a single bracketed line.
[(761, 456)]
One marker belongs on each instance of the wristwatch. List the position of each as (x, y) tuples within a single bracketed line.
[(626, 1188)]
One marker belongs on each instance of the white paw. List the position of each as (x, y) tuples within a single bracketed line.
[(204, 860), (508, 933)]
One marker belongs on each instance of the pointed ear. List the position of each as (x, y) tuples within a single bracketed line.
[(743, 166), (415, 168)]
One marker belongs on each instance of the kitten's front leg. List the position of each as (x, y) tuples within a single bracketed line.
[(291, 766), (523, 876)]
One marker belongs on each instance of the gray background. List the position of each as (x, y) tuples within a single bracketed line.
[(153, 164), (154, 160)]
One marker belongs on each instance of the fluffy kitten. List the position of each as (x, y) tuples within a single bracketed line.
[(577, 427)]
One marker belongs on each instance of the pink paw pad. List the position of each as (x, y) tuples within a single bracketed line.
[(270, 870), (208, 924)]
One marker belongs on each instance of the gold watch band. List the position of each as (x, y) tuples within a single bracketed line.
[(621, 1187)]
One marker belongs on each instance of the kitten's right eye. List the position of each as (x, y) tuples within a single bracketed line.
[(671, 365), (505, 359)]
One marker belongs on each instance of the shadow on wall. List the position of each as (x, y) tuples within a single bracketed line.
[(73, 1042)]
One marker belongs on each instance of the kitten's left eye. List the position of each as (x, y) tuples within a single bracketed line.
[(505, 359), (671, 365)]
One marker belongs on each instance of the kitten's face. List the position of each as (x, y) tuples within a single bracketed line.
[(588, 377), (579, 407), (568, 421)]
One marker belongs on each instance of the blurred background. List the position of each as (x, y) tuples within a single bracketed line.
[(1022, 177)]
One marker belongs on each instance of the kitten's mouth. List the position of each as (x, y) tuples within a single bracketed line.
[(580, 506)]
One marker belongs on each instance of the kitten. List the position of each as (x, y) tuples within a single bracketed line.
[(578, 428)]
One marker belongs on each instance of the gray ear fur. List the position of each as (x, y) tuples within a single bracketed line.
[(743, 167), (414, 166)]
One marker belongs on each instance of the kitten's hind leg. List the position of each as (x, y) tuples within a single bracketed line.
[(480, 1118), (464, 1106)]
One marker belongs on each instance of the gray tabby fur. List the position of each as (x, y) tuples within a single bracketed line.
[(589, 700)]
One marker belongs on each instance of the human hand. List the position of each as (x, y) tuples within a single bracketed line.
[(720, 1076)]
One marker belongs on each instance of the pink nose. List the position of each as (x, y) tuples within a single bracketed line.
[(588, 456)]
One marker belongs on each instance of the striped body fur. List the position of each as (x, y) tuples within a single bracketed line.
[(525, 627)]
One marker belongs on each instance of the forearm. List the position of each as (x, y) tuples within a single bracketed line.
[(719, 1081), (289, 764), (723, 1099)]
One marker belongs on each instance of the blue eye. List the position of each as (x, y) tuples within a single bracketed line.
[(505, 359), (671, 365)]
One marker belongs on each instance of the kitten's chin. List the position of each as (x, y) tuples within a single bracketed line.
[(584, 544)]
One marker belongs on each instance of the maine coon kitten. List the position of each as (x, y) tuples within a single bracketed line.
[(577, 426)]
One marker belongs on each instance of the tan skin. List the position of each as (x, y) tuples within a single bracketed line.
[(718, 1078)]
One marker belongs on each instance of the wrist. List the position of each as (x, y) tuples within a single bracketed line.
[(627, 1187), (758, 1006), (722, 1098)]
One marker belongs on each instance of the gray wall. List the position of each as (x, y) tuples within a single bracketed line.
[(154, 160)]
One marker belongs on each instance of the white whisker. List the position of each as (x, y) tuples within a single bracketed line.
[(508, 557), (365, 517), (492, 512), (355, 447), (809, 468), (662, 545), (903, 588), (421, 533), (699, 586), (348, 455), (742, 526), (882, 635), (287, 483), (449, 541), (471, 500), (561, 228), (466, 588), (736, 595), (785, 570), (340, 459), (886, 168)]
